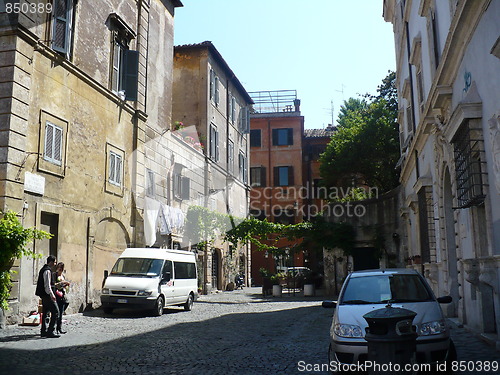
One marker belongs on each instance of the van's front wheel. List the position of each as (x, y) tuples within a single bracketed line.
[(188, 306), (158, 309)]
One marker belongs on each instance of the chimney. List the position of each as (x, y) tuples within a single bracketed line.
[(296, 103)]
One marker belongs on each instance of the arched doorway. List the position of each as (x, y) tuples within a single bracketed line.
[(451, 246)]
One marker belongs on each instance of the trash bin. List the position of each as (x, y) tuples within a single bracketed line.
[(391, 340)]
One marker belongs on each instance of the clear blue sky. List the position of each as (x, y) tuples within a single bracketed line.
[(327, 50)]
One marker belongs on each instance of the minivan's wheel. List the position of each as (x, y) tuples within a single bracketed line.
[(158, 309), (107, 309), (188, 306)]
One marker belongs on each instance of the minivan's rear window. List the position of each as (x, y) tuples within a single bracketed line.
[(385, 288), (184, 270), (137, 267)]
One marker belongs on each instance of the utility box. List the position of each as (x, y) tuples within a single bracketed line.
[(391, 340)]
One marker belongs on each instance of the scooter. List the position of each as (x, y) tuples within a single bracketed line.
[(239, 281)]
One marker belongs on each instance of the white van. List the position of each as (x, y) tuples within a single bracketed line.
[(151, 279)]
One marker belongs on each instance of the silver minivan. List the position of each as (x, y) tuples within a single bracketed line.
[(365, 291)]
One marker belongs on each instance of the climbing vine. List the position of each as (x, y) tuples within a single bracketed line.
[(13, 241)]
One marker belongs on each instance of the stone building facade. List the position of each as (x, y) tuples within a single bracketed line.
[(448, 64), (209, 98), (86, 97)]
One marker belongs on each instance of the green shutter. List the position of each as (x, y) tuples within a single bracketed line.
[(130, 73)]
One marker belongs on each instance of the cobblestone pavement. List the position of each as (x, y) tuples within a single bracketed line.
[(226, 333)]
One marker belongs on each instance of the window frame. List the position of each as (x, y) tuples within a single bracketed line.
[(277, 139), (277, 176), (51, 158), (68, 28), (214, 143), (46, 164), (113, 186), (253, 138)]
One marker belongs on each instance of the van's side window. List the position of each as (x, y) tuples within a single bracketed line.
[(167, 267), (185, 270)]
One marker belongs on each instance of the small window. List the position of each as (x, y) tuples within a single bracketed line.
[(242, 167), (244, 120), (62, 19), (258, 176), (255, 138), (115, 168), (214, 143), (230, 156), (283, 176), (150, 183), (182, 186), (124, 62), (53, 143), (283, 137), (214, 87)]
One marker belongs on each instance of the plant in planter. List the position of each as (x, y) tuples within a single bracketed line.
[(13, 240), (309, 287), (276, 280)]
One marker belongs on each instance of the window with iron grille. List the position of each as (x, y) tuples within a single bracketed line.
[(470, 168), (427, 228)]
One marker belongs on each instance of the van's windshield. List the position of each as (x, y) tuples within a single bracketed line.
[(141, 267)]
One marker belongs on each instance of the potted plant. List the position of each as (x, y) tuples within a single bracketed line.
[(276, 280), (266, 281)]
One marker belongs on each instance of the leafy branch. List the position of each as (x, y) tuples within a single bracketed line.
[(13, 241)]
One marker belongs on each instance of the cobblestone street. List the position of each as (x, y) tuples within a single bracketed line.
[(226, 333)]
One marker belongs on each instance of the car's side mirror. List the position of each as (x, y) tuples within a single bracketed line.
[(445, 299), (166, 277), (329, 304), (106, 274)]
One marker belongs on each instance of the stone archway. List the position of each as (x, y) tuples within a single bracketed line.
[(110, 239)]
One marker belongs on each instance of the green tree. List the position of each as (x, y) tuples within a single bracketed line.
[(365, 149), (13, 241)]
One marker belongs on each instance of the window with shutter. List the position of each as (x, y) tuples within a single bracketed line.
[(244, 121), (282, 137), (186, 188), (150, 187), (115, 169), (233, 109), (217, 98), (242, 167), (53, 143), (214, 143), (283, 176), (230, 156), (255, 138), (125, 62), (212, 84), (258, 176), (62, 11)]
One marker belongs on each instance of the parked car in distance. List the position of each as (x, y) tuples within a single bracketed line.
[(365, 291), (151, 279)]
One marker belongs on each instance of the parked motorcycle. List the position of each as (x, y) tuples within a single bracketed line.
[(239, 281)]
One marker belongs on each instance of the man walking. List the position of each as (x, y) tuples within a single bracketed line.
[(45, 292)]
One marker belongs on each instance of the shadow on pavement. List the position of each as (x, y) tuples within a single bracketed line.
[(241, 343)]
